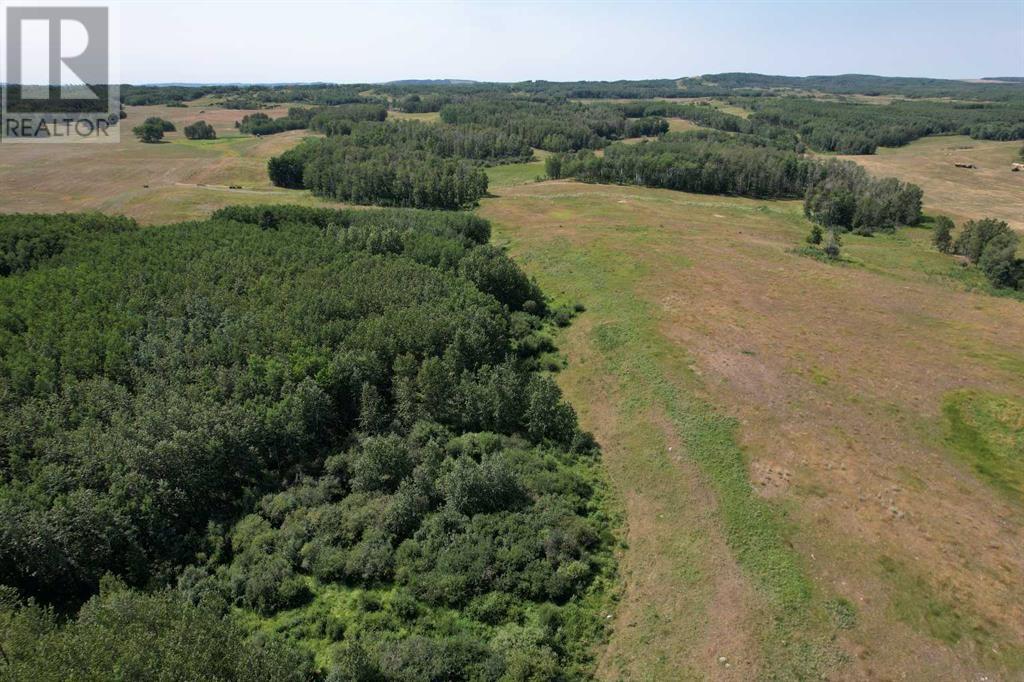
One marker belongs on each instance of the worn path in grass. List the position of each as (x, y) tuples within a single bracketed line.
[(775, 429)]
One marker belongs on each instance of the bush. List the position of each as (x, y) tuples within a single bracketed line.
[(126, 635), (200, 130), (815, 236), (942, 234), (992, 245), (164, 125), (148, 132)]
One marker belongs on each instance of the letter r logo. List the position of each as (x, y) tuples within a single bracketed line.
[(57, 53)]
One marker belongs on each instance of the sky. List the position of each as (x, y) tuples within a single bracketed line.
[(251, 41)]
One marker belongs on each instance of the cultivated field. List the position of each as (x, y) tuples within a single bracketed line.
[(990, 190), (794, 442)]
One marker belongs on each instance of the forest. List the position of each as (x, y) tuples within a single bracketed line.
[(706, 162), (435, 94), (852, 128), (848, 127), (837, 194), (329, 420), (339, 167)]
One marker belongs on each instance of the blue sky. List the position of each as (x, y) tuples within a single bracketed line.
[(220, 41)]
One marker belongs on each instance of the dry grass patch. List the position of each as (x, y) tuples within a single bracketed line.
[(837, 377), (990, 190), (174, 180)]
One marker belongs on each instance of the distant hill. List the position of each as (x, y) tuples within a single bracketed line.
[(864, 84), (431, 81)]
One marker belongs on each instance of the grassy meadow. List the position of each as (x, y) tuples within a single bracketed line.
[(177, 179), (797, 494)]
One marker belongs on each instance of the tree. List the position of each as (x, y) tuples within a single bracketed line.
[(942, 234), (553, 166), (999, 261), (149, 132), (976, 234), (164, 124), (200, 130), (815, 236)]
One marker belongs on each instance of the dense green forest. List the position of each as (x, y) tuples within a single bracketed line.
[(340, 168), (699, 161), (745, 85), (848, 127), (285, 443), (852, 128), (837, 194)]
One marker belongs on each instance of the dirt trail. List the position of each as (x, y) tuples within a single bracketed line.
[(685, 602)]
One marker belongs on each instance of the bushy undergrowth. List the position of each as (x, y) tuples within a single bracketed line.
[(241, 417)]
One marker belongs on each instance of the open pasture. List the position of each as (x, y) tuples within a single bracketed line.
[(989, 190), (175, 179), (780, 433)]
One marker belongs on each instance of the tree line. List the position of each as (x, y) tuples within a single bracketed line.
[(551, 124), (746, 86), (402, 163), (707, 162), (317, 118), (848, 127), (338, 168), (837, 194), (855, 128), (273, 410)]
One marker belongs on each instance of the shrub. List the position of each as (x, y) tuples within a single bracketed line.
[(164, 125), (148, 132), (200, 130), (942, 234), (128, 635), (816, 235)]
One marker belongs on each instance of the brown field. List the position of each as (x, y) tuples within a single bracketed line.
[(426, 117), (681, 125), (836, 376), (990, 190), (186, 178)]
